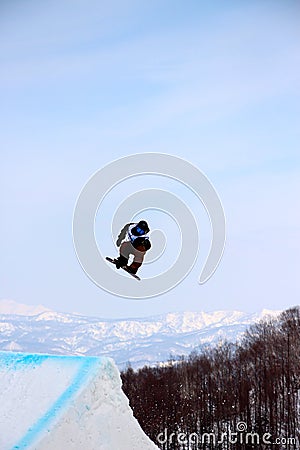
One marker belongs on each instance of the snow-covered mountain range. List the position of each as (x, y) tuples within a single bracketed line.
[(138, 341), (12, 307)]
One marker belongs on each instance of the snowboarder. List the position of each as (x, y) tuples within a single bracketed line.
[(133, 240)]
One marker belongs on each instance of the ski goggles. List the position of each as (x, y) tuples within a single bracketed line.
[(139, 230)]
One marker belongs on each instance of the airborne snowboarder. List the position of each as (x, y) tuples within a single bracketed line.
[(133, 240)]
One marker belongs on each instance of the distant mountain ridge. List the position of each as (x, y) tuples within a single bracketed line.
[(12, 307), (139, 341)]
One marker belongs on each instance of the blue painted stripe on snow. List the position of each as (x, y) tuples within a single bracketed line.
[(84, 372), (20, 361)]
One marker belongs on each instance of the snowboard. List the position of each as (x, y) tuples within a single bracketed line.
[(113, 261)]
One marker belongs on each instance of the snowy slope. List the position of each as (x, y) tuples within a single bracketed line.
[(55, 402), (138, 341)]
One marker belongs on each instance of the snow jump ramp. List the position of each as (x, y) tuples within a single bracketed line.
[(65, 402)]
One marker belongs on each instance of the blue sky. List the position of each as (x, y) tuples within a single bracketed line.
[(86, 82)]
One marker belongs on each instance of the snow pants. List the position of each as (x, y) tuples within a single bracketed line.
[(128, 249)]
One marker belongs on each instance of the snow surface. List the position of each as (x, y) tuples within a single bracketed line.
[(65, 402)]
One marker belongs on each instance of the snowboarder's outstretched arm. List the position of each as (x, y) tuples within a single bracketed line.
[(122, 234)]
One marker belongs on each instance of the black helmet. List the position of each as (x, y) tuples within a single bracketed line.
[(144, 226), (141, 228)]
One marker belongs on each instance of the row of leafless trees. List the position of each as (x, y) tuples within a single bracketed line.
[(251, 389)]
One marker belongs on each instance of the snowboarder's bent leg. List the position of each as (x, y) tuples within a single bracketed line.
[(125, 250), (137, 261)]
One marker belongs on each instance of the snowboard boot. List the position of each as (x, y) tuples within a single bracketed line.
[(121, 261), (133, 268)]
